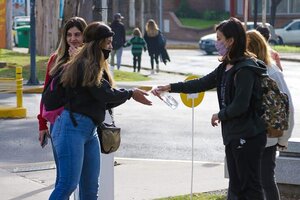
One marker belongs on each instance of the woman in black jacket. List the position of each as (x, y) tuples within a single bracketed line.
[(238, 89), (155, 44)]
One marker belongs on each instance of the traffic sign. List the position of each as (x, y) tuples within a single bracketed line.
[(194, 99)]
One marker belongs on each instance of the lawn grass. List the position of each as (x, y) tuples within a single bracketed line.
[(201, 196), (16, 59), (198, 23), (286, 49)]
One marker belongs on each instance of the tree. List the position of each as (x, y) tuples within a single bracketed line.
[(274, 4), (47, 26)]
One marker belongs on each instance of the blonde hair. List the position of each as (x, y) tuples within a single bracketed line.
[(257, 44), (137, 32), (151, 28)]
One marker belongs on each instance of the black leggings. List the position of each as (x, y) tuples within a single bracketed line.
[(152, 58), (137, 60)]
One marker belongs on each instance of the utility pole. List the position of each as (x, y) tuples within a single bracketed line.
[(255, 14), (264, 13), (161, 15), (32, 79)]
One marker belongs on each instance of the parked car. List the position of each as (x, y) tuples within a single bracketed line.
[(207, 42), (19, 21), (289, 33)]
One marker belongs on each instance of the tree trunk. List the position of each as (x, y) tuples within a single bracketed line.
[(47, 24), (8, 24), (274, 4)]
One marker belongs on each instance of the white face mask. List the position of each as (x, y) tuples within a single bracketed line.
[(221, 48)]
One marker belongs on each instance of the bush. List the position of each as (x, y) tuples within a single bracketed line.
[(184, 11), (215, 15)]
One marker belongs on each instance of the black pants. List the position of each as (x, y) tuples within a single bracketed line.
[(268, 165), (244, 168), (137, 60), (153, 57)]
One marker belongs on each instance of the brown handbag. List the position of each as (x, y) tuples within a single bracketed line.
[(109, 136)]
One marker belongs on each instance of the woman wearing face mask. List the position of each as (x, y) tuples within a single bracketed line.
[(243, 131), (88, 82)]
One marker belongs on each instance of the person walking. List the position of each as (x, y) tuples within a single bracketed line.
[(258, 45), (138, 44), (243, 131), (71, 40), (119, 40), (155, 43), (90, 91)]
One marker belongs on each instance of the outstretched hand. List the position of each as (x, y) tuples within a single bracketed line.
[(140, 96), (160, 89)]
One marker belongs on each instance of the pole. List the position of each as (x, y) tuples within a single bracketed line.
[(264, 13), (246, 3), (193, 130), (19, 90), (32, 79), (255, 13), (161, 16)]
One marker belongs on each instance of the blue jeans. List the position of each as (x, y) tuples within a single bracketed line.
[(78, 154), (119, 53)]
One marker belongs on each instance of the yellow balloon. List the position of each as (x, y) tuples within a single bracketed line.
[(192, 100)]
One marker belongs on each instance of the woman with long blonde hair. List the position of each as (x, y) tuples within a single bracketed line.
[(155, 43), (257, 44), (88, 83)]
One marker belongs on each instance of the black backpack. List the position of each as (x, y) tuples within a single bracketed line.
[(54, 94)]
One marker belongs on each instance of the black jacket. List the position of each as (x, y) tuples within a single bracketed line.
[(119, 38), (239, 119), (93, 101)]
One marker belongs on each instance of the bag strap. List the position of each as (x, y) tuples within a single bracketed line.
[(112, 116)]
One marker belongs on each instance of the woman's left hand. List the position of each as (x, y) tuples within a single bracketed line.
[(215, 120), (140, 96)]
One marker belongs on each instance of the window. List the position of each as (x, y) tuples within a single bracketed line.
[(294, 6)]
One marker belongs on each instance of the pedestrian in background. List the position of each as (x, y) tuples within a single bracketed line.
[(258, 45), (119, 40), (243, 131), (138, 44), (71, 40), (156, 43), (265, 32), (89, 86)]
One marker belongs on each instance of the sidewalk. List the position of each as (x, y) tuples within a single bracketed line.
[(136, 179)]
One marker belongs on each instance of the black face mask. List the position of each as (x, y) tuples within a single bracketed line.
[(105, 53)]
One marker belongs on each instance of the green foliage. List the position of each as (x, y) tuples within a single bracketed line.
[(215, 15), (198, 23), (184, 10)]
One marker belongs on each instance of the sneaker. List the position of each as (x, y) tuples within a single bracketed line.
[(157, 68), (152, 71)]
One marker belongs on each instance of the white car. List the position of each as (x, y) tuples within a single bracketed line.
[(207, 42), (289, 33)]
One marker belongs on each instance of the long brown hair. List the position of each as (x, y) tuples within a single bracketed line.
[(90, 58), (62, 50)]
